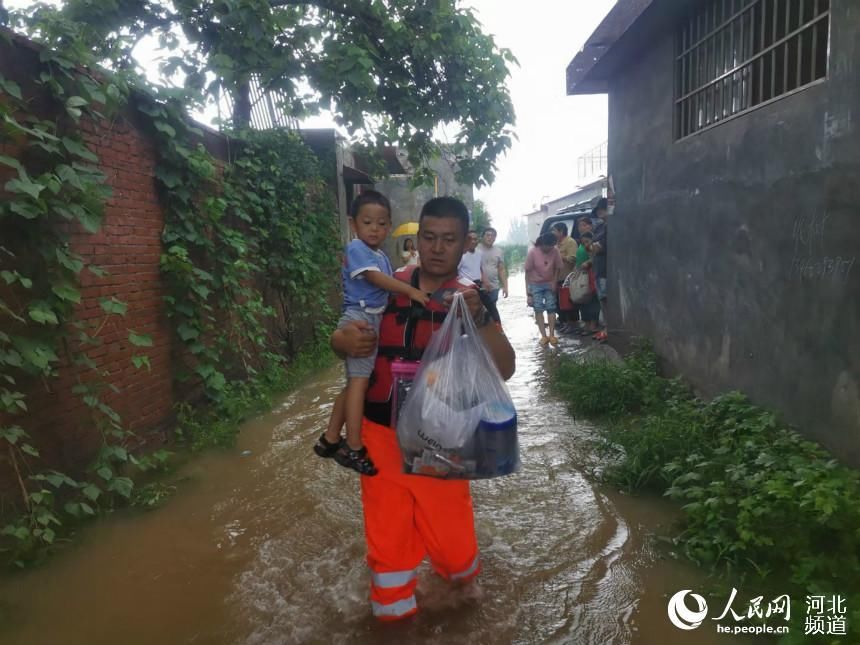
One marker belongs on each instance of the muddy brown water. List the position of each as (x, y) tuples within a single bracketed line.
[(268, 548)]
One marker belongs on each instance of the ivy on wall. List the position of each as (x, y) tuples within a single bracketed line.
[(263, 223), (246, 243), (54, 185)]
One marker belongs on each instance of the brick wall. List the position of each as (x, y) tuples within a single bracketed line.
[(128, 247)]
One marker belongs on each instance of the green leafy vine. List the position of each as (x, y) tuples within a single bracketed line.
[(54, 187)]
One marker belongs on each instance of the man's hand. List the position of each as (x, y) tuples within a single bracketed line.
[(473, 301), (504, 292), (357, 339)]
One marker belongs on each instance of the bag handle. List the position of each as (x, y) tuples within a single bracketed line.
[(463, 315)]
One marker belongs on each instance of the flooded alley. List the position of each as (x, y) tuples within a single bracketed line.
[(268, 548)]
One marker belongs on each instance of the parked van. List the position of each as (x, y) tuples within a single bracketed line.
[(571, 215)]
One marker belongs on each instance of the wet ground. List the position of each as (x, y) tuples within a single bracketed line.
[(268, 548)]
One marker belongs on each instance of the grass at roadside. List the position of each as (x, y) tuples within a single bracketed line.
[(756, 496)]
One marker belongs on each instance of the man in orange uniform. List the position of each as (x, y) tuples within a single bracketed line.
[(408, 517)]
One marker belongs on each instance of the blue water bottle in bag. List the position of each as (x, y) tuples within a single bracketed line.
[(496, 448)]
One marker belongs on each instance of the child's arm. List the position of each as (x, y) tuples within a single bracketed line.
[(379, 279)]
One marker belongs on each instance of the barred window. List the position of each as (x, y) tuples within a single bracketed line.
[(733, 55)]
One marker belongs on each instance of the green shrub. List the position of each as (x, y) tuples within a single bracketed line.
[(605, 389), (754, 493), (217, 425)]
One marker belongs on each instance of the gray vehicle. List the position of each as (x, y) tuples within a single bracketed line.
[(571, 215)]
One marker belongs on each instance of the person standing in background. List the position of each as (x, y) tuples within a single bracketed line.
[(493, 269), (409, 255), (567, 249), (543, 264), (599, 246), (470, 263)]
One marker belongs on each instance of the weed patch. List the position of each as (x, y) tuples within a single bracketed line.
[(756, 496)]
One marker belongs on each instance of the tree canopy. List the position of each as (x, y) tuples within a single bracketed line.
[(481, 219), (390, 71)]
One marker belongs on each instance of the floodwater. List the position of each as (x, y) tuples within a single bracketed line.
[(268, 548)]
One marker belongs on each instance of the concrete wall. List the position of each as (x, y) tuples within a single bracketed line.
[(736, 249), (406, 202)]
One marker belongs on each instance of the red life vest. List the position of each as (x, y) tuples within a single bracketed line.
[(404, 332)]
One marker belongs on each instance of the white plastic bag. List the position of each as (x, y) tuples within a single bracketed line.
[(458, 420), (580, 286)]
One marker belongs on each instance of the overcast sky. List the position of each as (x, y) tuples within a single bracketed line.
[(553, 129)]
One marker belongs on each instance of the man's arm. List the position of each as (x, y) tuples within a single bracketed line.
[(383, 281), (503, 277), (500, 349)]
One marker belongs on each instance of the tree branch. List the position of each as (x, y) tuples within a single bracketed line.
[(334, 7)]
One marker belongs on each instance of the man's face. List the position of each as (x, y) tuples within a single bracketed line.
[(441, 241), (489, 238), (472, 242), (584, 225)]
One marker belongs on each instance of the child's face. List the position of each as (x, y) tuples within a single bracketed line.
[(587, 243), (371, 225)]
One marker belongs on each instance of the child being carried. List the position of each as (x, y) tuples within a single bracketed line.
[(367, 282)]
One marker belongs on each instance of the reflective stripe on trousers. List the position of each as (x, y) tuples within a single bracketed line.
[(468, 572), (396, 609), (392, 579)]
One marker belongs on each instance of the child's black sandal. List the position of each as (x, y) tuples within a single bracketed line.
[(325, 449), (357, 460)]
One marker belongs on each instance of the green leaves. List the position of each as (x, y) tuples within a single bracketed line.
[(139, 340), (12, 434), (10, 87), (67, 292), (74, 105), (113, 306), (25, 186), (140, 360), (166, 128), (78, 149), (755, 495), (42, 313), (91, 492)]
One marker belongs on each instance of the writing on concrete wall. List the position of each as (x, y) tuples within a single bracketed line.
[(813, 258), (822, 267)]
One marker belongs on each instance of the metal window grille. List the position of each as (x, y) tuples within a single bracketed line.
[(732, 55), (267, 108), (592, 163)]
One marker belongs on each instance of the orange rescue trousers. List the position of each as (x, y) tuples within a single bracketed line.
[(407, 517)]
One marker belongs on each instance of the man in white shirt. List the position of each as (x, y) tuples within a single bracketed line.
[(470, 263)]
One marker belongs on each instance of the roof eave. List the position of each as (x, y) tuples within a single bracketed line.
[(580, 74)]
